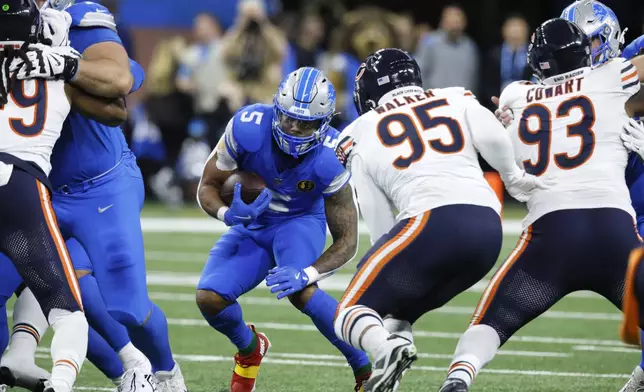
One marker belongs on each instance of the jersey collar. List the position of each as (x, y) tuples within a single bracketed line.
[(558, 79), (407, 90)]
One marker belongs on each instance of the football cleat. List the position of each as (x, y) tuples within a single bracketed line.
[(23, 374), (453, 385), (3, 388), (636, 382), (136, 381), (393, 359), (360, 382), (169, 381), (247, 367)]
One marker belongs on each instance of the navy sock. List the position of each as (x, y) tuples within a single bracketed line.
[(98, 318), (4, 329), (152, 339), (231, 323), (103, 356), (321, 309)]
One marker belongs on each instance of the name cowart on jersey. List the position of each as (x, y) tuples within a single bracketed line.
[(418, 151), (297, 189), (567, 130)]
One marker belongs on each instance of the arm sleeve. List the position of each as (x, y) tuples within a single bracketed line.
[(225, 149), (83, 37), (491, 140), (630, 79), (374, 206)]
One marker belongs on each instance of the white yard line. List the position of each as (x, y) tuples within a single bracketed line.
[(623, 349), (417, 333), (337, 282), (457, 310), (206, 225)]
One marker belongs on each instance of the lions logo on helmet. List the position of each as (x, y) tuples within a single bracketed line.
[(600, 23), (303, 108)]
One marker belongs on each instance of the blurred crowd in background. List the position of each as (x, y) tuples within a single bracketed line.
[(197, 80)]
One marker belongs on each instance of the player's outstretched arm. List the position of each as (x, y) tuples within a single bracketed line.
[(635, 104), (104, 71), (342, 218), (108, 111), (638, 62)]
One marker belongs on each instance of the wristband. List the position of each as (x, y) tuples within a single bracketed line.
[(221, 213), (312, 273)]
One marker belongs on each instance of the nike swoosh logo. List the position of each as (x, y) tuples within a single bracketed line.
[(297, 276), (243, 217), (57, 62), (102, 210)]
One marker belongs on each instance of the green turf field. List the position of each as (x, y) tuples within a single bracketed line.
[(574, 347)]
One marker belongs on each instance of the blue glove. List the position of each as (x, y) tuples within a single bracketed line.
[(286, 281), (635, 48), (241, 213)]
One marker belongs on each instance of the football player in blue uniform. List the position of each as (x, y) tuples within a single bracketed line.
[(600, 23), (98, 195), (281, 235)]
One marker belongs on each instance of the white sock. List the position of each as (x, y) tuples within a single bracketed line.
[(68, 347), (401, 328), (29, 325), (133, 358), (362, 328), (475, 349)]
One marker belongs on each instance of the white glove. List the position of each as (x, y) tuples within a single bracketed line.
[(633, 139), (45, 62), (521, 185), (504, 115), (56, 26)]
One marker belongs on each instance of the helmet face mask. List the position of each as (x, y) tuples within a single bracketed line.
[(303, 108)]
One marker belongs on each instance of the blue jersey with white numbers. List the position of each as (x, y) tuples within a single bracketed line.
[(298, 186), (86, 148)]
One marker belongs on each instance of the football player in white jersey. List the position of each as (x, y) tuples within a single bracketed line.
[(31, 118), (578, 232), (415, 152)]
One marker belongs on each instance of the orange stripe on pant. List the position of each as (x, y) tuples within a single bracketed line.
[(495, 282), (52, 225), (372, 267), (630, 328)]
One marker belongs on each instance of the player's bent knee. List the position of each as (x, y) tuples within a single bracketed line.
[(81, 273), (302, 297), (211, 303)]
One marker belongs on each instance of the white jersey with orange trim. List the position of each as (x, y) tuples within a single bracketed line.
[(32, 119), (415, 152), (567, 130)]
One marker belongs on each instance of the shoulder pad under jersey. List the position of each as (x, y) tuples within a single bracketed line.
[(251, 125), (90, 14), (327, 165)]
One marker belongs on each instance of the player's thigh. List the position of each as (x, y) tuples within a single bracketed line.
[(10, 280), (535, 276), (605, 267), (80, 258), (31, 239), (298, 242), (462, 243), (236, 265)]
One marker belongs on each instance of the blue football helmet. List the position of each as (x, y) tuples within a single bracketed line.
[(600, 23), (303, 108)]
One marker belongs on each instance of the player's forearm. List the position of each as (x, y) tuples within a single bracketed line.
[(111, 112), (342, 218), (638, 62), (104, 78), (210, 201)]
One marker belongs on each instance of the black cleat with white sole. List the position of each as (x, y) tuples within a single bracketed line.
[(395, 358), (454, 385)]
